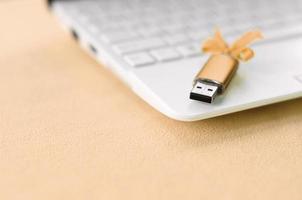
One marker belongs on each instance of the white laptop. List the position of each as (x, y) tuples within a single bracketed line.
[(154, 47)]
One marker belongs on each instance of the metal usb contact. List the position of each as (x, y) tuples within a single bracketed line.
[(203, 91), (213, 78)]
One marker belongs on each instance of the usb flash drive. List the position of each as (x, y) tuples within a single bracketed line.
[(219, 70), (214, 77)]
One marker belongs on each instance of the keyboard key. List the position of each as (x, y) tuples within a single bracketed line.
[(139, 45), (139, 59), (165, 54), (172, 28), (190, 50), (122, 35), (150, 31), (199, 35), (176, 39)]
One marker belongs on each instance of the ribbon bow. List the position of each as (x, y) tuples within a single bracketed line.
[(239, 50)]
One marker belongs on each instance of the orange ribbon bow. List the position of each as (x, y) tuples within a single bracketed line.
[(239, 50)]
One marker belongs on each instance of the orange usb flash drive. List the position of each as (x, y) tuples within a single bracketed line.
[(222, 65), (214, 77)]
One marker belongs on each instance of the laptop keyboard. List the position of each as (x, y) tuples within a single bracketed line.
[(145, 32)]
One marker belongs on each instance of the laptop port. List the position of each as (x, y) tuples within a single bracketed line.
[(93, 49), (74, 34)]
